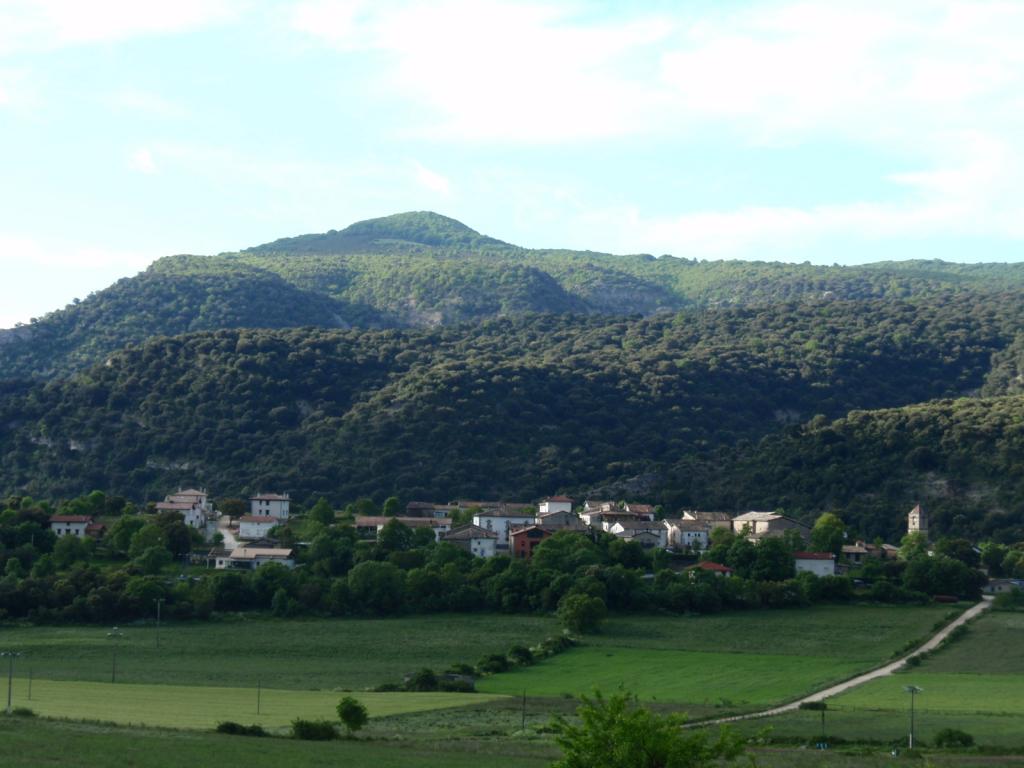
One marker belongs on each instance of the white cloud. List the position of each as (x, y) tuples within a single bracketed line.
[(431, 180), (141, 160), (33, 25)]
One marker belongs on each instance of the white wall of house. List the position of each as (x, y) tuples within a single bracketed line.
[(255, 530), (269, 507), (485, 547), (815, 566), (547, 506), (69, 529)]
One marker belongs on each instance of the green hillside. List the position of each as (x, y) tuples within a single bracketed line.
[(424, 270), (515, 407)]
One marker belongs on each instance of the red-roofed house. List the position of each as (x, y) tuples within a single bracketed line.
[(710, 567), (818, 563), (524, 540), (70, 525)]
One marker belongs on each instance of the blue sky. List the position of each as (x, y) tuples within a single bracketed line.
[(830, 132)]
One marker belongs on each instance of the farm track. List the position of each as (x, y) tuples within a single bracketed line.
[(883, 671)]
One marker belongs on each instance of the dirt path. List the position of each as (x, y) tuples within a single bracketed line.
[(874, 674)]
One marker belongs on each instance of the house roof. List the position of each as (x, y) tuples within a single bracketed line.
[(189, 492), (95, 528), (642, 509), (70, 519), (686, 525), (517, 512), (813, 556), (855, 549), (270, 497), (467, 532), (528, 529), (176, 506), (258, 519), (757, 516), (373, 521), (708, 565), (640, 525), (564, 499), (696, 514), (251, 553)]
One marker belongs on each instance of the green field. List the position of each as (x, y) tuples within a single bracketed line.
[(301, 654), (739, 661), (177, 706), (975, 684)]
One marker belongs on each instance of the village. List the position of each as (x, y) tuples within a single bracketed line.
[(514, 529)]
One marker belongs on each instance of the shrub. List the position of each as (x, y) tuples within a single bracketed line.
[(953, 738), (313, 730), (496, 662), (22, 712), (388, 688), (424, 680), (521, 655), (455, 686), (237, 729), (460, 669)]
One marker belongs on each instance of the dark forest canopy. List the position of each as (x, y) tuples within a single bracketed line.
[(425, 270), (671, 407)]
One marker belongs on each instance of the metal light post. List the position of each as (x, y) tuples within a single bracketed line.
[(159, 601), (11, 656), (913, 690), (115, 634)]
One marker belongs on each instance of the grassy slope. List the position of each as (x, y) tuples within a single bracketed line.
[(297, 654), (739, 660)]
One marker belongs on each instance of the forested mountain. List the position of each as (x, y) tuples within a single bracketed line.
[(517, 407), (425, 270), (963, 459)]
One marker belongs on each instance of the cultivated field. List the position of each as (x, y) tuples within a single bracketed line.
[(730, 662), (976, 684)]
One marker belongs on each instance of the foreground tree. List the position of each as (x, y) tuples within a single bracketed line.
[(619, 733)]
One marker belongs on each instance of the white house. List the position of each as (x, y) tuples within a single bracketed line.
[(687, 533), (761, 525), (193, 496), (70, 525), (501, 521), (649, 534), (478, 541), (256, 526), (712, 519), (191, 512), (818, 563), (269, 505), (553, 504), (251, 558), (372, 525)]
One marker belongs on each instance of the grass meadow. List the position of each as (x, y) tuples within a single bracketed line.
[(731, 662)]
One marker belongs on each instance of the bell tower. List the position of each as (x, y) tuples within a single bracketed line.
[(917, 521)]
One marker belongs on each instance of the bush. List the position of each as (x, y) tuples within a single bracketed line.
[(953, 738), (521, 655), (424, 680), (313, 730), (460, 669), (455, 686), (492, 664), (22, 712), (237, 729), (353, 714)]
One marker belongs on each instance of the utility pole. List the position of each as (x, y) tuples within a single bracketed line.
[(259, 690), (115, 634), (11, 656), (159, 601), (913, 690)]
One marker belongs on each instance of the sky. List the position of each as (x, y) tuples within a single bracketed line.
[(840, 132)]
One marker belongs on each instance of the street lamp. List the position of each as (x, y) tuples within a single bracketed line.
[(159, 601), (913, 690), (11, 656), (115, 634)]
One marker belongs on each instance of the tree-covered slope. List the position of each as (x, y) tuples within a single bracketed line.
[(423, 270), (963, 459), (514, 407)]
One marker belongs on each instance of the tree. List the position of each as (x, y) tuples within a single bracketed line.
[(376, 587), (395, 536), (913, 545), (959, 549), (774, 561), (352, 714), (392, 507), (582, 613), (322, 512), (233, 507), (619, 733), (827, 534)]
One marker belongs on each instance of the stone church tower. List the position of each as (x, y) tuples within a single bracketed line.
[(917, 521)]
